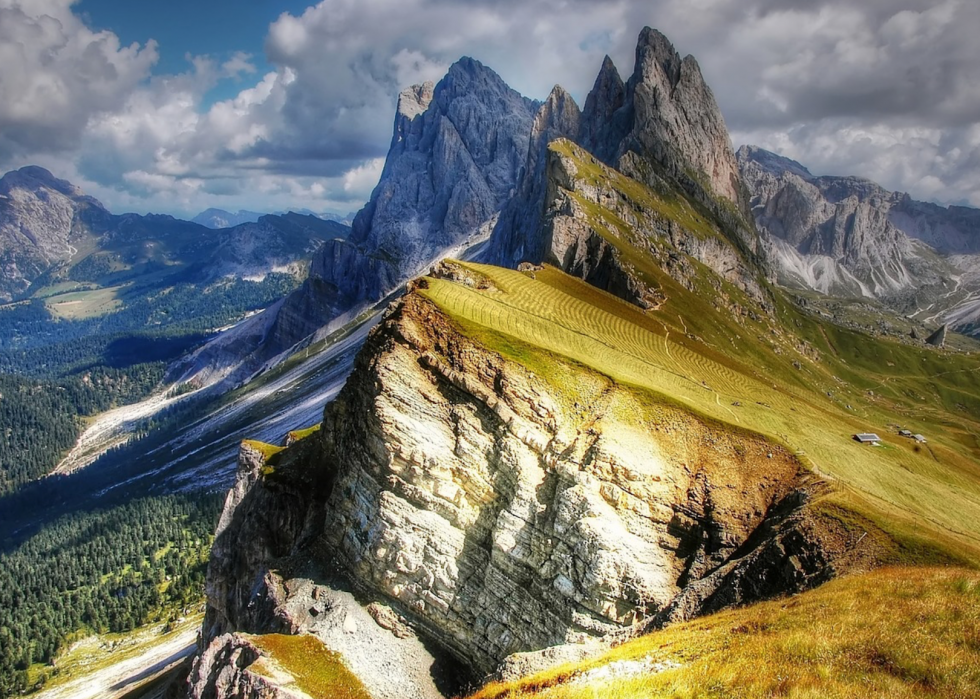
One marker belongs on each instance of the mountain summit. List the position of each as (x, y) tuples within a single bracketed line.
[(42, 219)]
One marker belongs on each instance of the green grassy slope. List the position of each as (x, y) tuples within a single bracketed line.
[(753, 384)]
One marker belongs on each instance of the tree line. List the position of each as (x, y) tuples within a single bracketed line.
[(108, 570)]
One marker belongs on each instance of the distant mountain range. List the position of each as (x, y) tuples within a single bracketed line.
[(849, 237), (50, 231), (219, 218)]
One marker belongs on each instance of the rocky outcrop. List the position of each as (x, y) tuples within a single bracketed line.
[(456, 152), (595, 216), (667, 119), (846, 236), (227, 668), (454, 159), (663, 129), (938, 338), (520, 233), (496, 517)]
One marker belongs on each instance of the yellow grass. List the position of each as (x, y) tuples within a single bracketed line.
[(939, 487), (896, 632), (318, 672)]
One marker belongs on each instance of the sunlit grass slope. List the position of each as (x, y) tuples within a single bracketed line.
[(733, 373), (896, 632), (315, 670)]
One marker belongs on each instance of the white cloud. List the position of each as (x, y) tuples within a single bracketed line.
[(359, 181), (55, 73), (886, 89)]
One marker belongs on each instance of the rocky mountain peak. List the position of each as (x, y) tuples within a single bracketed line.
[(848, 236), (675, 120), (657, 60), (39, 215), (753, 156), (414, 100), (519, 233), (600, 132), (456, 153), (34, 178), (559, 111), (468, 76)]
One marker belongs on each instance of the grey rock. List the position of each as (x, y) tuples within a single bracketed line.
[(849, 237), (938, 338), (229, 667), (41, 217), (448, 481), (661, 128), (456, 152), (520, 234)]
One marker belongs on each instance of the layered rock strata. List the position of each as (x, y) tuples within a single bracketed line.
[(462, 488)]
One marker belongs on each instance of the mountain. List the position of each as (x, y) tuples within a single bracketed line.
[(846, 236), (41, 220), (530, 469), (219, 218), (456, 152), (662, 137), (455, 156), (51, 232)]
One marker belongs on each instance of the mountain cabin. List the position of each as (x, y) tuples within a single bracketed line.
[(867, 438)]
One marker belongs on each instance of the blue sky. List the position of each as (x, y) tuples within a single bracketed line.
[(220, 28), (270, 105)]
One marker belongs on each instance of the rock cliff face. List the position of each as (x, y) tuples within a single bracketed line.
[(40, 217), (662, 129), (519, 233), (455, 156), (595, 215), (672, 117), (846, 236), (463, 489)]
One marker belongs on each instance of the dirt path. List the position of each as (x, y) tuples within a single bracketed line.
[(95, 669)]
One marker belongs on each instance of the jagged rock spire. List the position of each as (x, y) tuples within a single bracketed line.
[(601, 132), (519, 234)]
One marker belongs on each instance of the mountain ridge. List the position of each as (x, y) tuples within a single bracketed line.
[(848, 236), (633, 427)]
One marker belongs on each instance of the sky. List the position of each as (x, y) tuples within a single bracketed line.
[(174, 107)]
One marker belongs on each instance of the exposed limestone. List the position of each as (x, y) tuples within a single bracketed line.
[(40, 217), (498, 520), (456, 152), (663, 129), (586, 212)]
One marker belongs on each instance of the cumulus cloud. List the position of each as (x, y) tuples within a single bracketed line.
[(885, 89), (55, 73)]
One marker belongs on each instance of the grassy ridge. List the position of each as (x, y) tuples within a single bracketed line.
[(938, 486)]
